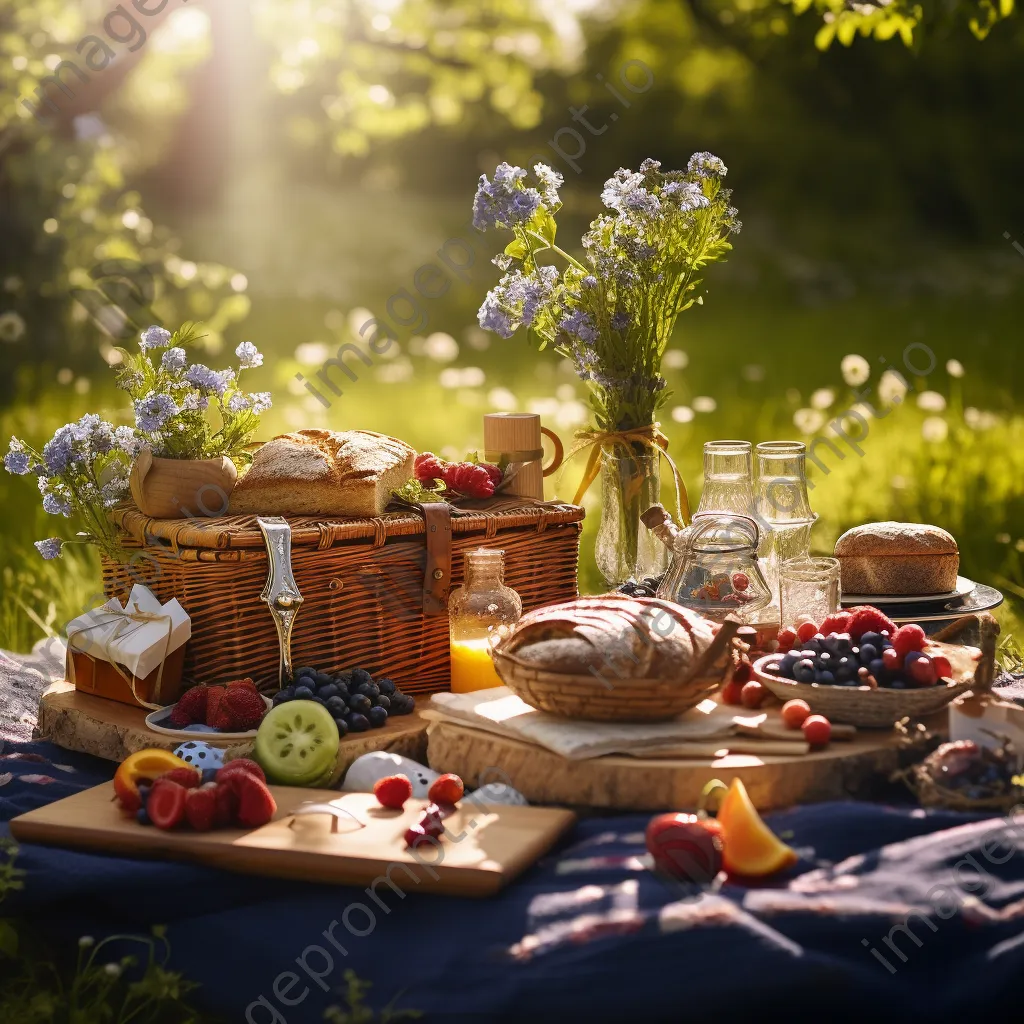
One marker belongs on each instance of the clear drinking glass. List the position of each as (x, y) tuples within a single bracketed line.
[(809, 587), (783, 506), (728, 478)]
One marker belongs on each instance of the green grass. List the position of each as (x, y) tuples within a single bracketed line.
[(760, 361)]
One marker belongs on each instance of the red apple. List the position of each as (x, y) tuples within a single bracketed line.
[(685, 847)]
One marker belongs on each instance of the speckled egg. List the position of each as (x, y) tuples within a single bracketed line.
[(201, 755)]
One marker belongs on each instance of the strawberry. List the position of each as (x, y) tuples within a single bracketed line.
[(191, 707), (243, 707), (469, 479), (256, 804), (428, 468), (731, 693), (187, 777), (201, 807), (908, 639), (166, 803), (226, 804), (392, 791), (869, 620), (838, 622), (246, 682), (242, 764), (213, 702), (447, 789)]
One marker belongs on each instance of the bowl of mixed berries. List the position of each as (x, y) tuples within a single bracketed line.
[(858, 667)]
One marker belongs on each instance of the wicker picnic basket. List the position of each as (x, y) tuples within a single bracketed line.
[(374, 589)]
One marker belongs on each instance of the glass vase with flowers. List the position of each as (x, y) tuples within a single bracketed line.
[(612, 313)]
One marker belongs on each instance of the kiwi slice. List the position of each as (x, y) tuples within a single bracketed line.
[(297, 743)]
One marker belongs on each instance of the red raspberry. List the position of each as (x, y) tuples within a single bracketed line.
[(807, 631), (470, 480), (908, 639), (393, 791), (493, 472), (787, 639), (836, 623), (869, 620), (428, 468)]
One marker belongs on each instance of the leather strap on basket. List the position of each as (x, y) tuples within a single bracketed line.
[(437, 576)]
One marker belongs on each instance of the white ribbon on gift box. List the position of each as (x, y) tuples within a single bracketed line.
[(124, 624)]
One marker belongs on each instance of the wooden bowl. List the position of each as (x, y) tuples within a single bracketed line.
[(623, 699)]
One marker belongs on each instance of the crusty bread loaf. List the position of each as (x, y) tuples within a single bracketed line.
[(324, 472), (613, 636), (882, 559)]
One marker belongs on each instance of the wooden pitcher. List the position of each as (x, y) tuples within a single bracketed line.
[(514, 438)]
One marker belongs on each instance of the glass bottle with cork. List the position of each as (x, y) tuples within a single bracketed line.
[(481, 612)]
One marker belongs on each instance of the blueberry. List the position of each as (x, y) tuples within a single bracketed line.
[(320, 701), (303, 693), (825, 661), (328, 691), (368, 690), (360, 676), (337, 706), (306, 670), (803, 671), (846, 670), (403, 707), (142, 816), (872, 639), (342, 726), (789, 662), (288, 693), (377, 717), (897, 684), (144, 792), (210, 775), (825, 679), (324, 678), (386, 686), (383, 702), (343, 678), (357, 722), (360, 702), (868, 653), (877, 669)]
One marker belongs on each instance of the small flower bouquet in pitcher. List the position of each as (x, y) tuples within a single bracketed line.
[(187, 466), (612, 314)]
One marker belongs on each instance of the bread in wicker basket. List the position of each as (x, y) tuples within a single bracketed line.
[(881, 708), (615, 658)]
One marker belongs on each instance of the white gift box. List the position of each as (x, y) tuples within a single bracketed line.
[(138, 636)]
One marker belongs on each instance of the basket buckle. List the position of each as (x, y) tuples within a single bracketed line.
[(281, 592)]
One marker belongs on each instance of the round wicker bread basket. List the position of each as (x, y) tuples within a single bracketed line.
[(618, 699), (861, 705)]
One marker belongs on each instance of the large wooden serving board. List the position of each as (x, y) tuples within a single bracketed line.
[(111, 730), (837, 772), (489, 846)]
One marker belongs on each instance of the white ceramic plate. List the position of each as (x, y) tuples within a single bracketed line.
[(206, 734), (964, 587)]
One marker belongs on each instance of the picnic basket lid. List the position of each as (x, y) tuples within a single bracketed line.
[(242, 532)]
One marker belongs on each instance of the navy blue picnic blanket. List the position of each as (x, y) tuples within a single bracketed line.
[(892, 914)]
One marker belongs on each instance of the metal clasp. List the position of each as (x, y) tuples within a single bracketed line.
[(281, 593)]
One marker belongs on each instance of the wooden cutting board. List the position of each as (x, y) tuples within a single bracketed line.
[(489, 846)]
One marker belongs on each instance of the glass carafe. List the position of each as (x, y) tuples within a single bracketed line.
[(480, 613), (715, 569), (783, 507), (728, 478)]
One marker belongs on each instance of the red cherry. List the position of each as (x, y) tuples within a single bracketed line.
[(922, 671), (794, 713), (732, 693), (817, 730), (892, 660), (752, 694)]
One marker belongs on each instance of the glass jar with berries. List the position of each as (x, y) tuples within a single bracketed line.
[(481, 612)]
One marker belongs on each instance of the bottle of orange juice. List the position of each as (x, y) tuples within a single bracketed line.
[(481, 611)]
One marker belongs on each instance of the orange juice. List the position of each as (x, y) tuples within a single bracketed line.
[(472, 667)]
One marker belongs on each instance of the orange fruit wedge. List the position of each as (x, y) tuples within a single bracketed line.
[(751, 848)]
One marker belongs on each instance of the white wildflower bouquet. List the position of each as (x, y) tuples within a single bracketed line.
[(172, 396), (82, 471)]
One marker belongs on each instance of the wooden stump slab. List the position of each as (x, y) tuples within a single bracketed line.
[(108, 729), (838, 772)]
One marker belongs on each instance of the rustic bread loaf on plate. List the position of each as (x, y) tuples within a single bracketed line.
[(889, 559), (324, 472)]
